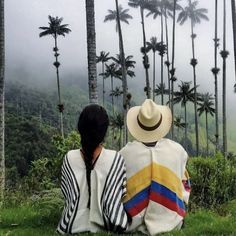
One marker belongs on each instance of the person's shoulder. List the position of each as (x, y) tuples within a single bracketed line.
[(109, 152), (112, 155), (131, 145), (172, 144), (175, 146), (72, 154)]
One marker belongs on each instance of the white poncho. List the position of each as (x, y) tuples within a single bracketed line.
[(108, 187)]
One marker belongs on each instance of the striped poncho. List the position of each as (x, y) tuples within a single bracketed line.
[(108, 187), (157, 186)]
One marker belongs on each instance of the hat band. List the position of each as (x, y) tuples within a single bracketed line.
[(147, 128)]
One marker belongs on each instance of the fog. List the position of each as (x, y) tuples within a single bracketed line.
[(30, 57)]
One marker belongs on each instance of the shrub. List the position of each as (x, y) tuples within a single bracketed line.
[(45, 172), (213, 181), (49, 205)]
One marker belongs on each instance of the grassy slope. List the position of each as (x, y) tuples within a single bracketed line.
[(28, 221)]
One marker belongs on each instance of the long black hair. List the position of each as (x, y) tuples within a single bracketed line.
[(92, 126)]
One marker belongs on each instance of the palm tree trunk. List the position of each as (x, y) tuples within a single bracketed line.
[(91, 50), (58, 87), (195, 88), (207, 135), (224, 83), (173, 68), (186, 126), (120, 141), (167, 55), (162, 59), (146, 64), (103, 85), (124, 73), (2, 105), (234, 31), (112, 97), (216, 81), (154, 76)]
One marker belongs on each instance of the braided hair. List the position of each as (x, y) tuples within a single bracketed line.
[(92, 126)]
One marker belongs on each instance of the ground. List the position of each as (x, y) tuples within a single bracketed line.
[(26, 220)]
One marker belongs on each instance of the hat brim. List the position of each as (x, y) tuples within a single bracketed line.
[(149, 136)]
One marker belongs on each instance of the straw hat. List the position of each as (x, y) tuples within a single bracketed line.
[(149, 122)]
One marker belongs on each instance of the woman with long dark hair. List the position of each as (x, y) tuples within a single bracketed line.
[(93, 180)]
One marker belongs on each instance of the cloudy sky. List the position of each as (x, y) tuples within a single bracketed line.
[(28, 54)]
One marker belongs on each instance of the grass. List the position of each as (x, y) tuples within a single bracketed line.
[(28, 220)]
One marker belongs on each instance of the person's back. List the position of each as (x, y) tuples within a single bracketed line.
[(93, 180), (155, 172)]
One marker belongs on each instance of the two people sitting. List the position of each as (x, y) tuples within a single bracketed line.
[(144, 187)]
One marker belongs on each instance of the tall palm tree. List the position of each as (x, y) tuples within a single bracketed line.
[(103, 57), (161, 89), (224, 54), (215, 72), (111, 71), (142, 5), (56, 29), (91, 51), (129, 64), (233, 8), (121, 15), (159, 10), (184, 95), (170, 8), (154, 46), (206, 105), (195, 15), (2, 123), (117, 121), (116, 93), (172, 71), (179, 123)]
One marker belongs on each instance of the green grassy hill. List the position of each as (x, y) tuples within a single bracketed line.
[(27, 220)]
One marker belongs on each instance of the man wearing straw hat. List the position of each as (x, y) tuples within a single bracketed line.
[(158, 184)]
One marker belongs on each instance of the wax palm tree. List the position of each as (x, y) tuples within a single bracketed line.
[(2, 125), (224, 54), (195, 15), (172, 71), (119, 16), (123, 14), (215, 72), (170, 8), (154, 46), (117, 122), (129, 64), (158, 10), (56, 29), (206, 105), (116, 93), (142, 5), (233, 8), (183, 96), (111, 71), (179, 123), (103, 57), (161, 89), (91, 51)]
